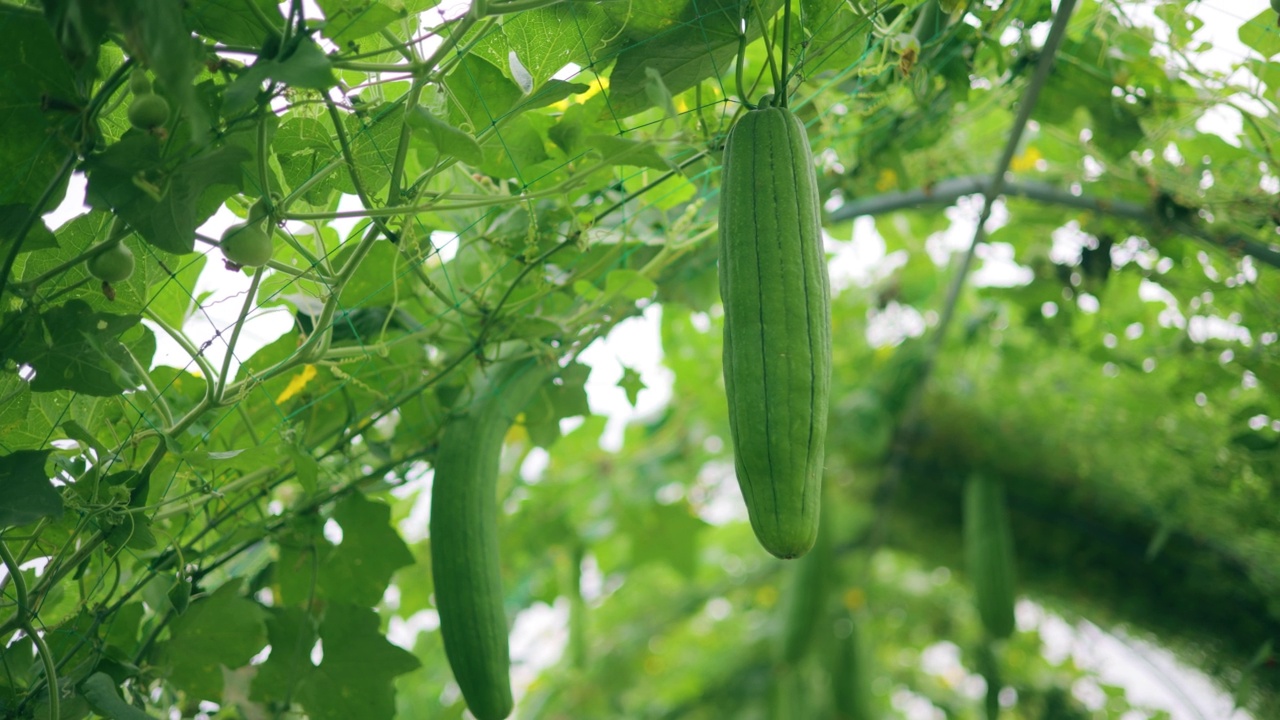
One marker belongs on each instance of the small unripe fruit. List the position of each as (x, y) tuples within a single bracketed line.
[(112, 265), (259, 210), (148, 112), (138, 83), (246, 245)]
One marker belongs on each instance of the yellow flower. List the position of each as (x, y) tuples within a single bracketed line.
[(298, 382), (888, 180), (1027, 160)]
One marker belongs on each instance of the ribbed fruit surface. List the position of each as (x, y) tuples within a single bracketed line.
[(464, 537), (777, 328)]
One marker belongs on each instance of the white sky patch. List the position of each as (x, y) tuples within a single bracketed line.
[(72, 205), (1151, 676), (716, 496), (637, 343), (568, 72), (862, 260), (413, 528), (999, 269), (538, 639)]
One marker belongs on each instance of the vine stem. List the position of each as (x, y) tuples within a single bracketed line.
[(781, 90), (904, 431), (743, 22), (220, 393), (24, 615), (768, 43), (196, 355), (946, 192), (559, 188)]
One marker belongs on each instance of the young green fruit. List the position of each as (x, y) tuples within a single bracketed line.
[(464, 536), (112, 265), (246, 245), (988, 547), (259, 210), (138, 82), (777, 326), (148, 112)]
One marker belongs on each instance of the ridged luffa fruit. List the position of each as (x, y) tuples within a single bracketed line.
[(777, 325)]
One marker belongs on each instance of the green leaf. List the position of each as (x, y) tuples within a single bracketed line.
[(1261, 34), (134, 531), (26, 494), (77, 236), (71, 347), (80, 26), (102, 695), (38, 236), (348, 20), (621, 151), (292, 634), (553, 91), (546, 39), (564, 397), (306, 67), (175, 202), (701, 43), (35, 70), (303, 148), (374, 136), (234, 22), (222, 630), (211, 464), (629, 284), (372, 285), (355, 677), (837, 35), (305, 467), (303, 65), (448, 140), (481, 94), (14, 427), (658, 94), (631, 383), (666, 534), (359, 569)]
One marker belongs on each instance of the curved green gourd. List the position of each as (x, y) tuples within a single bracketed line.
[(777, 328), (464, 536), (989, 554)]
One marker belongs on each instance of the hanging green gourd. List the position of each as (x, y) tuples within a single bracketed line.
[(777, 324)]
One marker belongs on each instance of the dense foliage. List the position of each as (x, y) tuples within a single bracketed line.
[(242, 533)]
